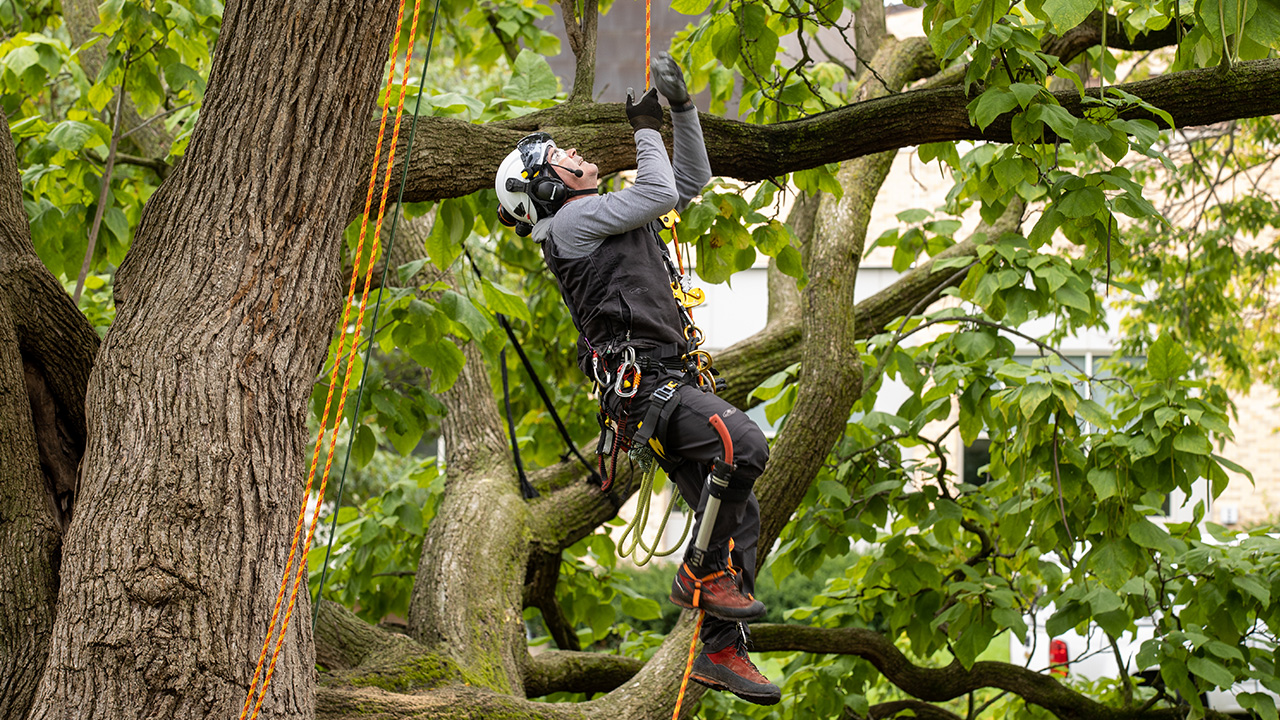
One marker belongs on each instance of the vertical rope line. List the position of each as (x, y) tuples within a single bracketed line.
[(333, 380), (355, 342), (688, 668), (647, 35), (377, 305)]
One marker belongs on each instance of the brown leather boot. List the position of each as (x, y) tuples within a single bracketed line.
[(731, 670), (717, 593)]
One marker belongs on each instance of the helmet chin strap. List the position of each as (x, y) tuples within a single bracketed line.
[(579, 193)]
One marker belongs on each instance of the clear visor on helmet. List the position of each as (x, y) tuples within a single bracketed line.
[(533, 150)]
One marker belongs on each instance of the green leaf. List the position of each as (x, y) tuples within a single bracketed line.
[(990, 105), (690, 7), (410, 516), (1166, 359), (1254, 587), (1211, 671), (460, 310), (1084, 202), (1072, 297), (1031, 396), (1066, 618), (1093, 413), (531, 79), (1057, 118), (1263, 704), (790, 262), (364, 446), (914, 215), (1149, 535), (1104, 482), (1066, 14), (501, 300), (1192, 441), (975, 345), (835, 491), (71, 135)]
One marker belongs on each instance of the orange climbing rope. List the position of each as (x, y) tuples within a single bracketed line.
[(647, 34), (261, 692), (688, 668)]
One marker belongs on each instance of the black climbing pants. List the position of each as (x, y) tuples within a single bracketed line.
[(690, 445)]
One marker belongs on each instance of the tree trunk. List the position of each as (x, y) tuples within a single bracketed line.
[(29, 539), (196, 409), (468, 593), (46, 351)]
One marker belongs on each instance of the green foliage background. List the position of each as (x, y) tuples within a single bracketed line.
[(1070, 518)]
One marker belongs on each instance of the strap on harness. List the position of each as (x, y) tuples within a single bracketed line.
[(652, 430)]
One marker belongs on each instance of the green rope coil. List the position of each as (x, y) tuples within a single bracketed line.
[(635, 529)]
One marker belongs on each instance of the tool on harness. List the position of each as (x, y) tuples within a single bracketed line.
[(712, 491)]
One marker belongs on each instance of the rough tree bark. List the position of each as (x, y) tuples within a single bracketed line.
[(468, 593), (46, 352), (197, 404)]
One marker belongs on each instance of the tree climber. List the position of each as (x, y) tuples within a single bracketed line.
[(615, 277)]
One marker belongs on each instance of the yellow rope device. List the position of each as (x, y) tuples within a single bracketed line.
[(254, 690)]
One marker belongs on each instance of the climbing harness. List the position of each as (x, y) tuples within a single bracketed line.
[(260, 692), (618, 368)]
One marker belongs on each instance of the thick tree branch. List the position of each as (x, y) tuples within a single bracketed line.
[(584, 672), (444, 704), (355, 653), (830, 348), (952, 681), (47, 349), (756, 152), (570, 507), (907, 709)]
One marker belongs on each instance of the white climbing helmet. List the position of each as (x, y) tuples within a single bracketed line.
[(516, 203)]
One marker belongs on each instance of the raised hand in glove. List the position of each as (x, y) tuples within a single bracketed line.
[(669, 80), (646, 113)]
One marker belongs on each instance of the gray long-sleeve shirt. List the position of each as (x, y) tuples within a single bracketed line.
[(582, 225)]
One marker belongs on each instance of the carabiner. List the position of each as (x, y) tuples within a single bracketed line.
[(628, 365), (595, 371), (693, 334)]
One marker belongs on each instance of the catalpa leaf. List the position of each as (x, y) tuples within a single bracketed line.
[(531, 79)]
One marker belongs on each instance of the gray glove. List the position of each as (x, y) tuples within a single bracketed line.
[(669, 80)]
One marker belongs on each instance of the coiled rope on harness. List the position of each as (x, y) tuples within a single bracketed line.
[(640, 520), (257, 694)]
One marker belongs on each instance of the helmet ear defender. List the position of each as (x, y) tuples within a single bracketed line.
[(547, 188), (522, 228)]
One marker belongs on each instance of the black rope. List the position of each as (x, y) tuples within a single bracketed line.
[(537, 384), (526, 487)]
